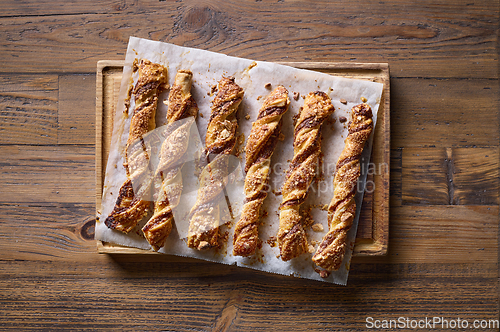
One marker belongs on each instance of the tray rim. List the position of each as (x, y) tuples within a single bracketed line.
[(376, 246)]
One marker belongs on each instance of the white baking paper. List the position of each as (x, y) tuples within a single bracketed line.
[(254, 77)]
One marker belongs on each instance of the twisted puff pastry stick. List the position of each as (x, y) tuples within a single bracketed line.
[(307, 148), (220, 142), (258, 151), (130, 208), (168, 178), (342, 208)]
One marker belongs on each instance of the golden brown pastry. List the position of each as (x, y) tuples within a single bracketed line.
[(342, 208), (258, 151), (130, 208), (220, 142), (292, 239), (168, 178)]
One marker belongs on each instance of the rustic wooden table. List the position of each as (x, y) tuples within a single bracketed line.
[(444, 200)]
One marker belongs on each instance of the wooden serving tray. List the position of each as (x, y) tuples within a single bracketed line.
[(373, 228)]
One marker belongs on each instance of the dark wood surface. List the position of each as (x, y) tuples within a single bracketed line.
[(444, 215)]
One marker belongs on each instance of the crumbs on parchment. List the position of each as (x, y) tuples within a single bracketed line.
[(317, 227), (272, 241), (322, 273)]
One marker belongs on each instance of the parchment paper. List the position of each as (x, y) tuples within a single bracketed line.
[(252, 76)]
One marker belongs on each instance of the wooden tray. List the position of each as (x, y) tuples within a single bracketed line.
[(373, 229)]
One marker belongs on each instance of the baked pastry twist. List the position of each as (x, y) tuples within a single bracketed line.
[(258, 151), (292, 239), (168, 178), (342, 208), (220, 142), (130, 208)]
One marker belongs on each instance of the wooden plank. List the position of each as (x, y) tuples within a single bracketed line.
[(20, 82), (444, 234), (424, 177), (373, 238), (28, 109), (14, 8), (437, 113), (76, 109), (197, 299), (38, 231), (396, 177), (365, 225), (108, 81), (47, 174), (475, 176), (450, 176), (448, 40)]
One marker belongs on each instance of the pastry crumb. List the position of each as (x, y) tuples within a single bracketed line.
[(343, 101), (203, 245), (241, 138), (310, 248), (296, 96), (317, 227), (272, 242), (268, 86), (364, 100), (247, 117), (324, 274), (295, 117), (342, 119)]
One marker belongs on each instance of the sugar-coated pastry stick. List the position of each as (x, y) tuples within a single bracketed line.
[(130, 206), (219, 142), (342, 208), (168, 178), (258, 151), (292, 239)]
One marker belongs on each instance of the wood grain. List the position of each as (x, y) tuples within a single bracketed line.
[(236, 303), (445, 37), (475, 175), (57, 173), (438, 113), (450, 176), (28, 109), (74, 115)]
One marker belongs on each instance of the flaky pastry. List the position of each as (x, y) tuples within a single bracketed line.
[(258, 151), (342, 208), (292, 239), (168, 177), (130, 206), (220, 141)]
